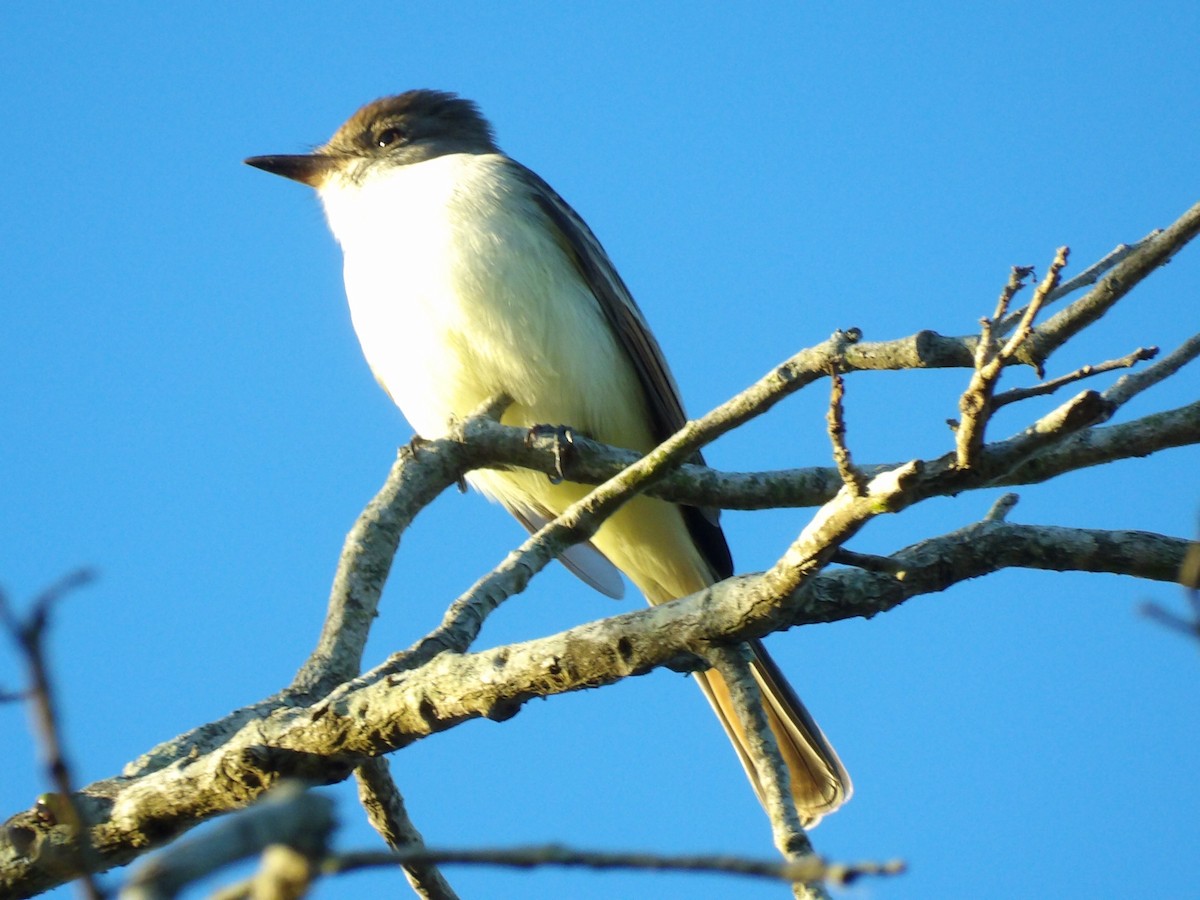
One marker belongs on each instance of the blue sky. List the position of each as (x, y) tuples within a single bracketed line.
[(185, 407)]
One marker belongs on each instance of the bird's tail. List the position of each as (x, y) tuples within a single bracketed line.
[(650, 542), (820, 783)]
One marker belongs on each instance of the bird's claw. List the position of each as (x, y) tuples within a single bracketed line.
[(564, 444)]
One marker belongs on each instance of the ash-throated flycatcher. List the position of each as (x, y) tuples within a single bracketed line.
[(469, 277)]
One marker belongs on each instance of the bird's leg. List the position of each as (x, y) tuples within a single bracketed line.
[(564, 445)]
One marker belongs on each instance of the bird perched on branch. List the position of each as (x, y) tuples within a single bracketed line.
[(468, 278)]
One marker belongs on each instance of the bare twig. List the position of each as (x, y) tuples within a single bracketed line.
[(814, 485), (422, 470), (1162, 615), (61, 808), (1133, 264), (835, 418), (1049, 387), (1126, 275), (1025, 325), (774, 781), (1001, 508), (1088, 276), (976, 403), (1129, 386), (804, 869), (1093, 272), (388, 815)]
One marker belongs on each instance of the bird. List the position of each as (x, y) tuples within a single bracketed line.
[(468, 278)]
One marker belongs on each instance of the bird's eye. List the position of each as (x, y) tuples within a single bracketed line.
[(389, 136)]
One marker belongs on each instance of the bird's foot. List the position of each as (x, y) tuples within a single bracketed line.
[(564, 445)]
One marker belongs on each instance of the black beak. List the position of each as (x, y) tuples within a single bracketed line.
[(310, 169)]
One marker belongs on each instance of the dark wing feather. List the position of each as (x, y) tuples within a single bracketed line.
[(622, 313)]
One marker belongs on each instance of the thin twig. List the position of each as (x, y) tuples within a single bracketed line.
[(60, 808), (1087, 277), (1129, 386), (835, 419), (1049, 387), (809, 868), (1001, 508), (814, 485), (379, 796), (1162, 615), (976, 404), (1093, 272), (774, 780), (1117, 283), (1025, 326), (416, 477)]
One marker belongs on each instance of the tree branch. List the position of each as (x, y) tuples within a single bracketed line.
[(290, 816), (1155, 252), (323, 742), (422, 470), (805, 869), (733, 663), (579, 522), (388, 815), (814, 485), (325, 726), (59, 810)]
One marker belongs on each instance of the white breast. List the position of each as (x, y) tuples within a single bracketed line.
[(459, 290)]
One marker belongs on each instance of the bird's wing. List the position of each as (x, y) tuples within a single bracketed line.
[(583, 560), (633, 334)]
